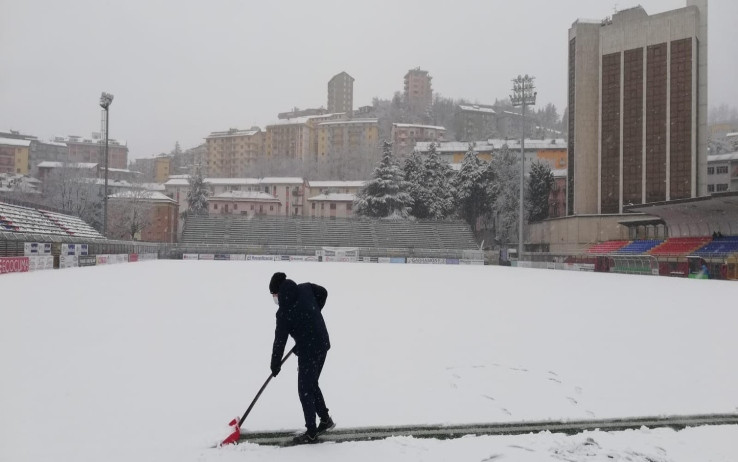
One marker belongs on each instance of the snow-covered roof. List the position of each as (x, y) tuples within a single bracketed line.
[(730, 135), (149, 196), (153, 186), (546, 143), (334, 197), (245, 196), (120, 170), (491, 145), (336, 184), (722, 157), (452, 146), (178, 177), (231, 133), (177, 182), (432, 127), (477, 108), (231, 181), (560, 173), (15, 142), (352, 121), (306, 119), (53, 164), (281, 180)]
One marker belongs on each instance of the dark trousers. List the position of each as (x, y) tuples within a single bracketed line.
[(310, 365)]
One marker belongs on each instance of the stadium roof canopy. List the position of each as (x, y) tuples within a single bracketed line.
[(699, 216)]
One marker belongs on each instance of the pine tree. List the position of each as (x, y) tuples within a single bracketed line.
[(540, 182), (385, 195), (437, 178), (506, 192), (413, 172), (472, 198), (197, 196)]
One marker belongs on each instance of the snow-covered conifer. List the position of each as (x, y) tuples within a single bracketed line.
[(540, 182), (385, 195)]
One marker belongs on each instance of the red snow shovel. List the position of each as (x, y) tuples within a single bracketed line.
[(236, 424)]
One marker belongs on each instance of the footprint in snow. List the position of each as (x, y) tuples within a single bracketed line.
[(488, 397), (578, 390), (554, 379), (505, 411), (515, 446), (492, 457), (572, 400)]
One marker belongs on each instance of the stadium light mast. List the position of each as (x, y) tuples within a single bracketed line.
[(523, 95), (106, 99)]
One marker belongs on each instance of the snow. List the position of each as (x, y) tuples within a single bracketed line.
[(149, 361)]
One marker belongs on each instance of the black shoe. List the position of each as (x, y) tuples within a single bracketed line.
[(309, 437), (325, 425)]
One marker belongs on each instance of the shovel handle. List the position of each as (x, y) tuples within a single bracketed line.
[(261, 390)]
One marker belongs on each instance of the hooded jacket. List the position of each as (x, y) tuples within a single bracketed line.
[(299, 315)]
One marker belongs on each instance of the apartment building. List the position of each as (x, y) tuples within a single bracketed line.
[(722, 173), (405, 136), (418, 90), (296, 138), (157, 169), (249, 203), (14, 156), (341, 93), (637, 109), (231, 153), (549, 150), (92, 149), (339, 137)]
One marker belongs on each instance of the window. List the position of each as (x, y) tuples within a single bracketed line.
[(215, 206), (721, 169), (235, 206), (722, 187), (349, 207), (710, 170), (333, 206), (313, 206), (252, 206), (271, 208), (710, 188)]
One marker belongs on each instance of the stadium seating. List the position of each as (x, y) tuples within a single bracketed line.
[(719, 246), (21, 219), (638, 247), (604, 248), (679, 246), (327, 232)]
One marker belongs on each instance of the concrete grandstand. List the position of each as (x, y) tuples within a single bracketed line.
[(293, 235)]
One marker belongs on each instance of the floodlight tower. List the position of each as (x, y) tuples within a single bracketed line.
[(523, 95), (106, 99)]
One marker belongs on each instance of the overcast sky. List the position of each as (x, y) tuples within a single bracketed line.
[(181, 69)]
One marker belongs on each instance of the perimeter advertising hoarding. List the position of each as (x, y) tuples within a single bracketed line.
[(189, 256), (260, 257), (68, 261), (427, 261), (40, 262), (14, 265), (87, 260), (207, 256), (36, 248), (303, 258)]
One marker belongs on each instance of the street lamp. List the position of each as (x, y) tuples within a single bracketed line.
[(523, 95), (105, 100)]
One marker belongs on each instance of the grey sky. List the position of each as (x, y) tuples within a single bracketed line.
[(181, 69)]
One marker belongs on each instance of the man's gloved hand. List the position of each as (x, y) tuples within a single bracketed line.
[(275, 369)]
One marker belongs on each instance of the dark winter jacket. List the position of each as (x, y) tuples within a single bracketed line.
[(299, 315)]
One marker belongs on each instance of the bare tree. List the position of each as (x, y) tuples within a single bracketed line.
[(129, 213), (74, 190)]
